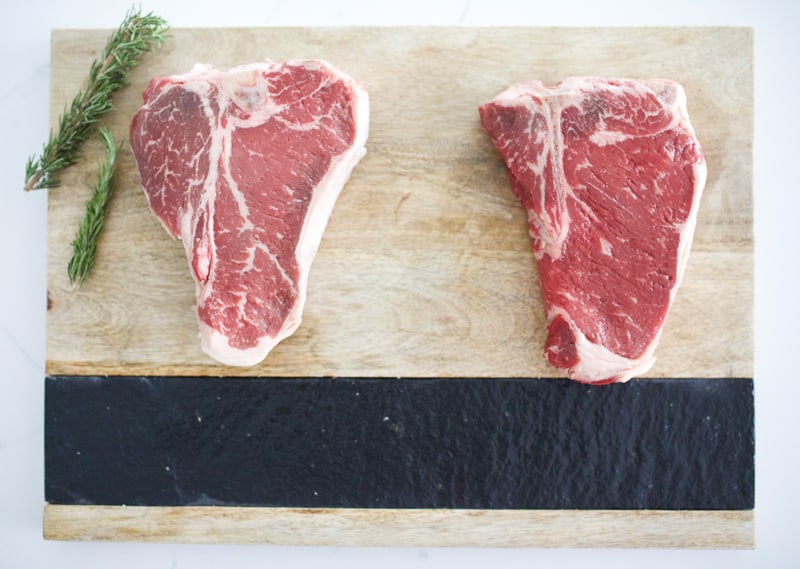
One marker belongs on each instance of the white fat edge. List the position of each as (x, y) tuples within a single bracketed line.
[(598, 363), (688, 227), (216, 346), (327, 193), (700, 170)]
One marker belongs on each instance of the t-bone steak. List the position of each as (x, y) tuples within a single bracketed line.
[(245, 167), (610, 173)]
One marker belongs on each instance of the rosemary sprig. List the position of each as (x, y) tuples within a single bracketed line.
[(125, 46), (84, 247)]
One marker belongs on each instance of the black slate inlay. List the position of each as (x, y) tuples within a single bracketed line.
[(400, 443)]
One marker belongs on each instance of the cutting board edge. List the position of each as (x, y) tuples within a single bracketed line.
[(706, 529)]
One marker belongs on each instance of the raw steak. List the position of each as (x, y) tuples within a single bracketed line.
[(610, 173), (245, 167)]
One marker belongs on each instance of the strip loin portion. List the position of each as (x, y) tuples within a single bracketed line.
[(610, 173)]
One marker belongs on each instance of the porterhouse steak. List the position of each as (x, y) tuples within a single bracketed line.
[(245, 167), (610, 173)]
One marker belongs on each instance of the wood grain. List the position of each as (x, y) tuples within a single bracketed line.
[(403, 528), (425, 268)]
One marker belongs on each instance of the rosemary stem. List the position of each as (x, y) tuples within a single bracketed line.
[(84, 246)]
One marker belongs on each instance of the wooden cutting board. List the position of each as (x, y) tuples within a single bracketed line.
[(425, 270)]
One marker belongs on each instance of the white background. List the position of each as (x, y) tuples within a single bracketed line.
[(24, 88)]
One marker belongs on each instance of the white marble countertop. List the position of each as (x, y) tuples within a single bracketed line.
[(24, 104)]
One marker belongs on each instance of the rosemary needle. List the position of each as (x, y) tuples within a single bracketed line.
[(84, 247), (125, 46)]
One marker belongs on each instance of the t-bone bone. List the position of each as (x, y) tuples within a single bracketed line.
[(244, 167), (610, 173)]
